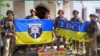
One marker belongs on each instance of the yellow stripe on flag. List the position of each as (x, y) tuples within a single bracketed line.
[(25, 38), (79, 36), (73, 35), (60, 32)]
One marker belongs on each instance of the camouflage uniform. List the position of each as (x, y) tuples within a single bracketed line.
[(8, 27), (91, 30)]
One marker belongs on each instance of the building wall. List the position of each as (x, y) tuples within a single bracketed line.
[(28, 5), (89, 5), (19, 9), (67, 6), (59, 5), (22, 9)]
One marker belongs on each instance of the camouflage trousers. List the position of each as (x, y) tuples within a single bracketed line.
[(8, 47), (91, 48)]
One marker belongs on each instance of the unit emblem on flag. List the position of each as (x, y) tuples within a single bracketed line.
[(35, 30)]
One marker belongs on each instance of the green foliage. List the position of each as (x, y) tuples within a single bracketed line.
[(7, 4), (3, 4)]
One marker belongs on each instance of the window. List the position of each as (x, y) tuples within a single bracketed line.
[(98, 13)]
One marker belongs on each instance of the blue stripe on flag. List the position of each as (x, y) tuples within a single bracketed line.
[(21, 25)]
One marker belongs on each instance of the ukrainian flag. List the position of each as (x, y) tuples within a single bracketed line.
[(33, 31), (73, 30), (76, 30), (60, 30)]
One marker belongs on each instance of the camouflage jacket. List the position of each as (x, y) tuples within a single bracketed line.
[(7, 26), (92, 28)]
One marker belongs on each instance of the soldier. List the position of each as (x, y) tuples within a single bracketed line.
[(33, 15), (61, 16), (76, 18), (8, 32), (91, 30), (32, 12)]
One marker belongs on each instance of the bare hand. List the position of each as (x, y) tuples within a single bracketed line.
[(10, 34)]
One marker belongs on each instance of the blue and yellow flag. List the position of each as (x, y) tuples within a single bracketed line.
[(74, 30), (60, 30), (33, 31)]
